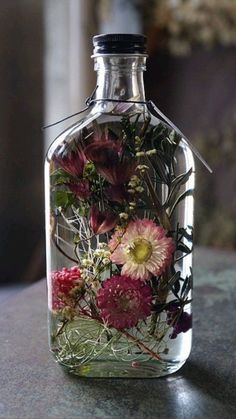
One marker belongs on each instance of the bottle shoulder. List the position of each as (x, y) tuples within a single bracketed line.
[(111, 125), (69, 135)]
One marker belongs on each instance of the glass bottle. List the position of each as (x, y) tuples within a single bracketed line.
[(119, 217)]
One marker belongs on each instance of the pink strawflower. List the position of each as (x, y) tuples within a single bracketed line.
[(124, 301), (116, 238), (144, 250), (62, 284)]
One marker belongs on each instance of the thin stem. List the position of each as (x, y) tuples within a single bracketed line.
[(63, 241), (85, 312), (62, 251), (60, 330), (142, 346), (144, 127), (154, 316), (101, 194), (75, 251), (162, 215)]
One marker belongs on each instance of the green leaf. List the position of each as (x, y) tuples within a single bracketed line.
[(183, 248), (159, 167), (187, 286), (181, 179), (90, 171), (174, 283), (59, 177), (172, 280), (159, 307), (83, 211), (175, 187), (63, 199), (183, 232), (189, 192), (176, 287)]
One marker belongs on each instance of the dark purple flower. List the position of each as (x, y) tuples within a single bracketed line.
[(117, 193), (72, 162), (102, 221), (102, 152), (81, 189), (179, 319), (119, 173), (107, 157)]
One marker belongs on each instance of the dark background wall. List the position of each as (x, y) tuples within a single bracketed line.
[(198, 92), (21, 141)]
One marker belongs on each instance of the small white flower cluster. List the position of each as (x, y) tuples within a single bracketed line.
[(86, 262), (147, 153), (86, 275), (135, 185), (104, 255), (138, 143), (92, 266), (124, 216), (142, 168)]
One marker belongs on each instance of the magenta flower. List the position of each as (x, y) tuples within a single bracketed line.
[(62, 283), (81, 189), (102, 221), (144, 250), (123, 301), (107, 157), (72, 162)]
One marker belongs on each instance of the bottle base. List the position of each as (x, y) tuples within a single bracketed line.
[(113, 369)]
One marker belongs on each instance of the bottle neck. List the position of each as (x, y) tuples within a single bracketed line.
[(120, 77)]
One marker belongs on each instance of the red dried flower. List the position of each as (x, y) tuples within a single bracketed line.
[(119, 173), (102, 221), (72, 162), (124, 301), (107, 157), (117, 193), (81, 190), (101, 152), (62, 283)]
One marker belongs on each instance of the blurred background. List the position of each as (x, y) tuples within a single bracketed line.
[(46, 73)]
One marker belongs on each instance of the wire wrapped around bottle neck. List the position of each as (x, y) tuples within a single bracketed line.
[(151, 107)]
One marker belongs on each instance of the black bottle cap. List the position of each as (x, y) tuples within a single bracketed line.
[(119, 43)]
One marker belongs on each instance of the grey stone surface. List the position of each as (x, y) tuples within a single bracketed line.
[(33, 386)]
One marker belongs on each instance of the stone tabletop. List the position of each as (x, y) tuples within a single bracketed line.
[(33, 386)]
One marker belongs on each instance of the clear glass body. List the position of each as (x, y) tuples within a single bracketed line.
[(119, 223)]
